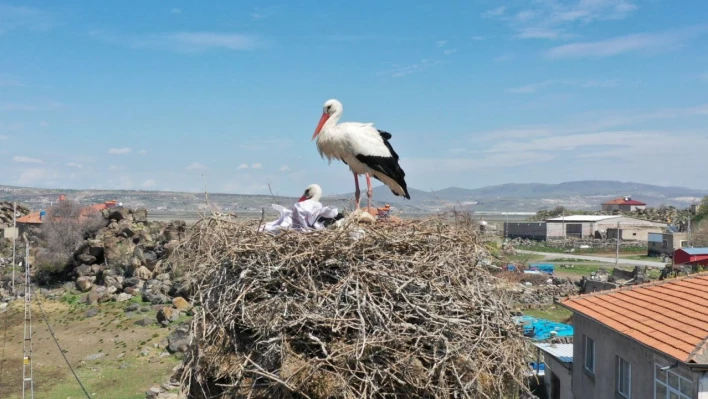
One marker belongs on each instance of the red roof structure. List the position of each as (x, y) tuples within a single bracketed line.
[(35, 217), (669, 316), (624, 201)]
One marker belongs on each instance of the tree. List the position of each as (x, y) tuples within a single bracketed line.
[(702, 210), (64, 229), (699, 234)]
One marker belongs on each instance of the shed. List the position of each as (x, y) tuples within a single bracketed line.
[(558, 370), (692, 256)]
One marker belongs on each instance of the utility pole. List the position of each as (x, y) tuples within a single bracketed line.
[(27, 371), (14, 238), (690, 245), (617, 255)]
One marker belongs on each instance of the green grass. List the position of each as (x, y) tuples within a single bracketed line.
[(582, 269), (542, 247), (555, 313)]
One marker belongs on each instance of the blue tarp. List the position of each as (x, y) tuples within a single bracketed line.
[(542, 267), (540, 329)]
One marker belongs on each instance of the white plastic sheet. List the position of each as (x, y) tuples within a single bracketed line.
[(302, 216)]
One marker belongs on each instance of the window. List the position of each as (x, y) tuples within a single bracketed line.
[(589, 354), (668, 385), (624, 377), (684, 243), (665, 244)]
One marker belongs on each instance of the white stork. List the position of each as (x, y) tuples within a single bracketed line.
[(312, 192), (363, 148)]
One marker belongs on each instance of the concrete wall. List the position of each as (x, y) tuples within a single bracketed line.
[(673, 241), (532, 231), (608, 345), (563, 371), (633, 233), (10, 232), (555, 229)]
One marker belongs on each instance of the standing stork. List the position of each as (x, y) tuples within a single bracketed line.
[(363, 148)]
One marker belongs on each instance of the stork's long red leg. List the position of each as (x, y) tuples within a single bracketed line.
[(357, 192), (369, 191)]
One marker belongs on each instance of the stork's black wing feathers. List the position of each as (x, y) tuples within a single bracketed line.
[(387, 165)]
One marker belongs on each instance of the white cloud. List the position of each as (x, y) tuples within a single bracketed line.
[(25, 18), (450, 51), (23, 159), (30, 177), (399, 71), (195, 166), (262, 13), (176, 10), (534, 87), (504, 57), (149, 183), (646, 42), (74, 165), (256, 165), (549, 19), (185, 42), (494, 12), (531, 87), (284, 168), (6, 81), (39, 106), (477, 38), (142, 152), (119, 151), (117, 167), (243, 166), (441, 43)]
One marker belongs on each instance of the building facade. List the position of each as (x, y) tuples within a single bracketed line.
[(666, 243), (643, 342), (624, 204), (691, 256), (580, 226)]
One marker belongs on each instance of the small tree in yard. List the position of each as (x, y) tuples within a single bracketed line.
[(65, 227)]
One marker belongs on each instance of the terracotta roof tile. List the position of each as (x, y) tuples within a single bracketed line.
[(622, 201), (670, 316), (32, 218)]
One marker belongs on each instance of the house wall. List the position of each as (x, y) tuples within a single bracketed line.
[(10, 232), (563, 371), (608, 345), (555, 229), (532, 231), (632, 233), (673, 242)]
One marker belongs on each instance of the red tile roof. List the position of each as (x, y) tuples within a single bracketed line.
[(32, 218), (670, 316), (622, 201)]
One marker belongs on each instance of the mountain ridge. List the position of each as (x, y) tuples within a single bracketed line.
[(582, 194)]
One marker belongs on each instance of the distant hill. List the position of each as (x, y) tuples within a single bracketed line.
[(586, 195)]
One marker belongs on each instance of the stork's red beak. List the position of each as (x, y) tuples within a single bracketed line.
[(323, 119), (303, 198)]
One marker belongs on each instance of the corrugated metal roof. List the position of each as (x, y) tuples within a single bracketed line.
[(583, 218), (562, 352), (695, 251)]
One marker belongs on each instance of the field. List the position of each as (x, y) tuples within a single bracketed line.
[(113, 357)]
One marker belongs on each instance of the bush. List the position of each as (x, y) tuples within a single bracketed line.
[(64, 229)]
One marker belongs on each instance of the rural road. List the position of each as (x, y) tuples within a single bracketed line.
[(625, 262)]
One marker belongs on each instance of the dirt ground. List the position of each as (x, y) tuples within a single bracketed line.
[(125, 361)]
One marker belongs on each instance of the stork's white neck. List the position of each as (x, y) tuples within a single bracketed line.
[(332, 121)]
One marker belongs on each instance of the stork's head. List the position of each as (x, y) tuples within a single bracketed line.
[(312, 192), (331, 108)]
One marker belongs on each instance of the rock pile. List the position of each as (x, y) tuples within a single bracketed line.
[(127, 258), (6, 209)]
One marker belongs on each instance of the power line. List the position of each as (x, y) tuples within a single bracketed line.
[(46, 321)]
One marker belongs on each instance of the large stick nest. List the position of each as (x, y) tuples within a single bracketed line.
[(404, 311)]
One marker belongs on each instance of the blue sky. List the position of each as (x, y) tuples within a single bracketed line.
[(153, 95)]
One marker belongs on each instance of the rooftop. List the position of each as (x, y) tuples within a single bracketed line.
[(32, 218), (562, 352), (623, 201), (583, 218), (695, 251), (669, 316)]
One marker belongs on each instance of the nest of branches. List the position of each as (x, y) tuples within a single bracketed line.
[(399, 311)]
